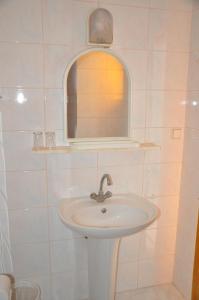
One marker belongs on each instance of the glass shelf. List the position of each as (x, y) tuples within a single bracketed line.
[(96, 147)]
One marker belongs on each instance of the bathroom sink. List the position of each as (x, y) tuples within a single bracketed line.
[(118, 216)]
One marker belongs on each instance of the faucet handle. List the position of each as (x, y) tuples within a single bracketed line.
[(93, 196), (108, 194)]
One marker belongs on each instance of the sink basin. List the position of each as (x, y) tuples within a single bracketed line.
[(105, 224), (116, 217)]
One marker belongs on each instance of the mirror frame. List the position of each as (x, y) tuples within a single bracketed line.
[(103, 141)]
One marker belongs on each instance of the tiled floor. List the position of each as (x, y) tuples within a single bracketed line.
[(161, 292)]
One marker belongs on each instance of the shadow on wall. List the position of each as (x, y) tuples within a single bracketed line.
[(5, 249)]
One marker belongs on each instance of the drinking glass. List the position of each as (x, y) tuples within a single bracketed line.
[(38, 141), (50, 139)]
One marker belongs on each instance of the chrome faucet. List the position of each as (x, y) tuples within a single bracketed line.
[(101, 196)]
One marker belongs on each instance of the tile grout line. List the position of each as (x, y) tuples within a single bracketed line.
[(46, 156)]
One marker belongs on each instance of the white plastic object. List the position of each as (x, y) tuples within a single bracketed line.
[(5, 288), (25, 290)]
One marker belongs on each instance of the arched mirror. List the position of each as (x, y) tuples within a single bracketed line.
[(97, 97)]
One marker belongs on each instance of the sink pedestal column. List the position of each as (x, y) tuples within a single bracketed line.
[(102, 268)]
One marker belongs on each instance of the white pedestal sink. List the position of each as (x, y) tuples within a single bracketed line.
[(105, 224)]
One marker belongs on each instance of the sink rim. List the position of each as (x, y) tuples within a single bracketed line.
[(131, 199)]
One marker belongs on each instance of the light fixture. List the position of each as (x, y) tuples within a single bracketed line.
[(100, 27)]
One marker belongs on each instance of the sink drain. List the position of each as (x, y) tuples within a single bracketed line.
[(104, 210)]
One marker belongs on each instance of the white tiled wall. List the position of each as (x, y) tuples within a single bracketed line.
[(37, 40)]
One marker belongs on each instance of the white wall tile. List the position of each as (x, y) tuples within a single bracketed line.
[(75, 160), (120, 158), (3, 188), (168, 71), (186, 251), (31, 259), (195, 5), (32, 225), (71, 183), (192, 110), (195, 31), (57, 58), (191, 149), (18, 152), (157, 242), (166, 108), (22, 109), (58, 13), (169, 150), (137, 3), (26, 189), (169, 30), (125, 179), (193, 80), (184, 5), (127, 276), (55, 109), (130, 29), (139, 101), (190, 188), (60, 137), (21, 21), (81, 11), (139, 134), (155, 271), (161, 179), (22, 65)]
